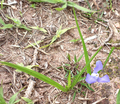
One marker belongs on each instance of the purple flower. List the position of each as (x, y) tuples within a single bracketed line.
[(94, 77)]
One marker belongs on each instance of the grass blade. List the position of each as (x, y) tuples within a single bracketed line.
[(80, 58), (7, 26), (12, 99), (88, 4), (118, 98), (74, 96), (75, 59), (108, 56), (63, 7), (83, 43), (37, 75), (69, 80), (59, 32), (2, 101), (78, 77), (71, 4), (49, 1), (2, 22), (2, 4)]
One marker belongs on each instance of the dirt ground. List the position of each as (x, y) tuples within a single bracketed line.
[(95, 32)]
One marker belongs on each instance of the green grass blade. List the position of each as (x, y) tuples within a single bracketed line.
[(63, 7), (75, 59), (29, 101), (1, 89), (38, 28), (49, 1), (2, 101), (36, 74), (58, 34), (71, 4), (86, 85), (83, 43), (2, 22), (108, 56), (12, 99), (69, 80), (88, 4), (22, 26), (7, 26), (2, 4), (17, 101), (74, 96), (118, 98), (80, 58), (78, 77), (16, 21), (68, 56)]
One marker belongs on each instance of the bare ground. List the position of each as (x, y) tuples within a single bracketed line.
[(13, 42)]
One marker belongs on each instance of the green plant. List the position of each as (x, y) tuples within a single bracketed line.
[(118, 98), (5, 26), (65, 4), (109, 4), (12, 99), (38, 28), (19, 24), (2, 4), (33, 5), (59, 32), (29, 101), (71, 82), (84, 46)]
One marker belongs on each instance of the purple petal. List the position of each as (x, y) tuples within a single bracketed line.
[(104, 79), (98, 67), (90, 79)]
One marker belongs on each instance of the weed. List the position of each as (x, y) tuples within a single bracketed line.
[(33, 5), (72, 79), (12, 99), (65, 4)]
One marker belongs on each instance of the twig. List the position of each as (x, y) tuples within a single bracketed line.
[(99, 100), (114, 44), (31, 82), (9, 4), (96, 4), (38, 48), (85, 98), (110, 35)]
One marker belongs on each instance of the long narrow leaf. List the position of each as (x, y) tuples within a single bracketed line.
[(2, 101), (36, 74), (12, 99), (71, 4), (49, 1), (83, 70), (58, 34), (2, 22), (63, 7), (108, 56), (7, 26), (80, 58), (83, 43), (118, 98), (69, 80)]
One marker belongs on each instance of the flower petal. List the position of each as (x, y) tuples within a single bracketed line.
[(104, 79), (90, 79), (98, 67)]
